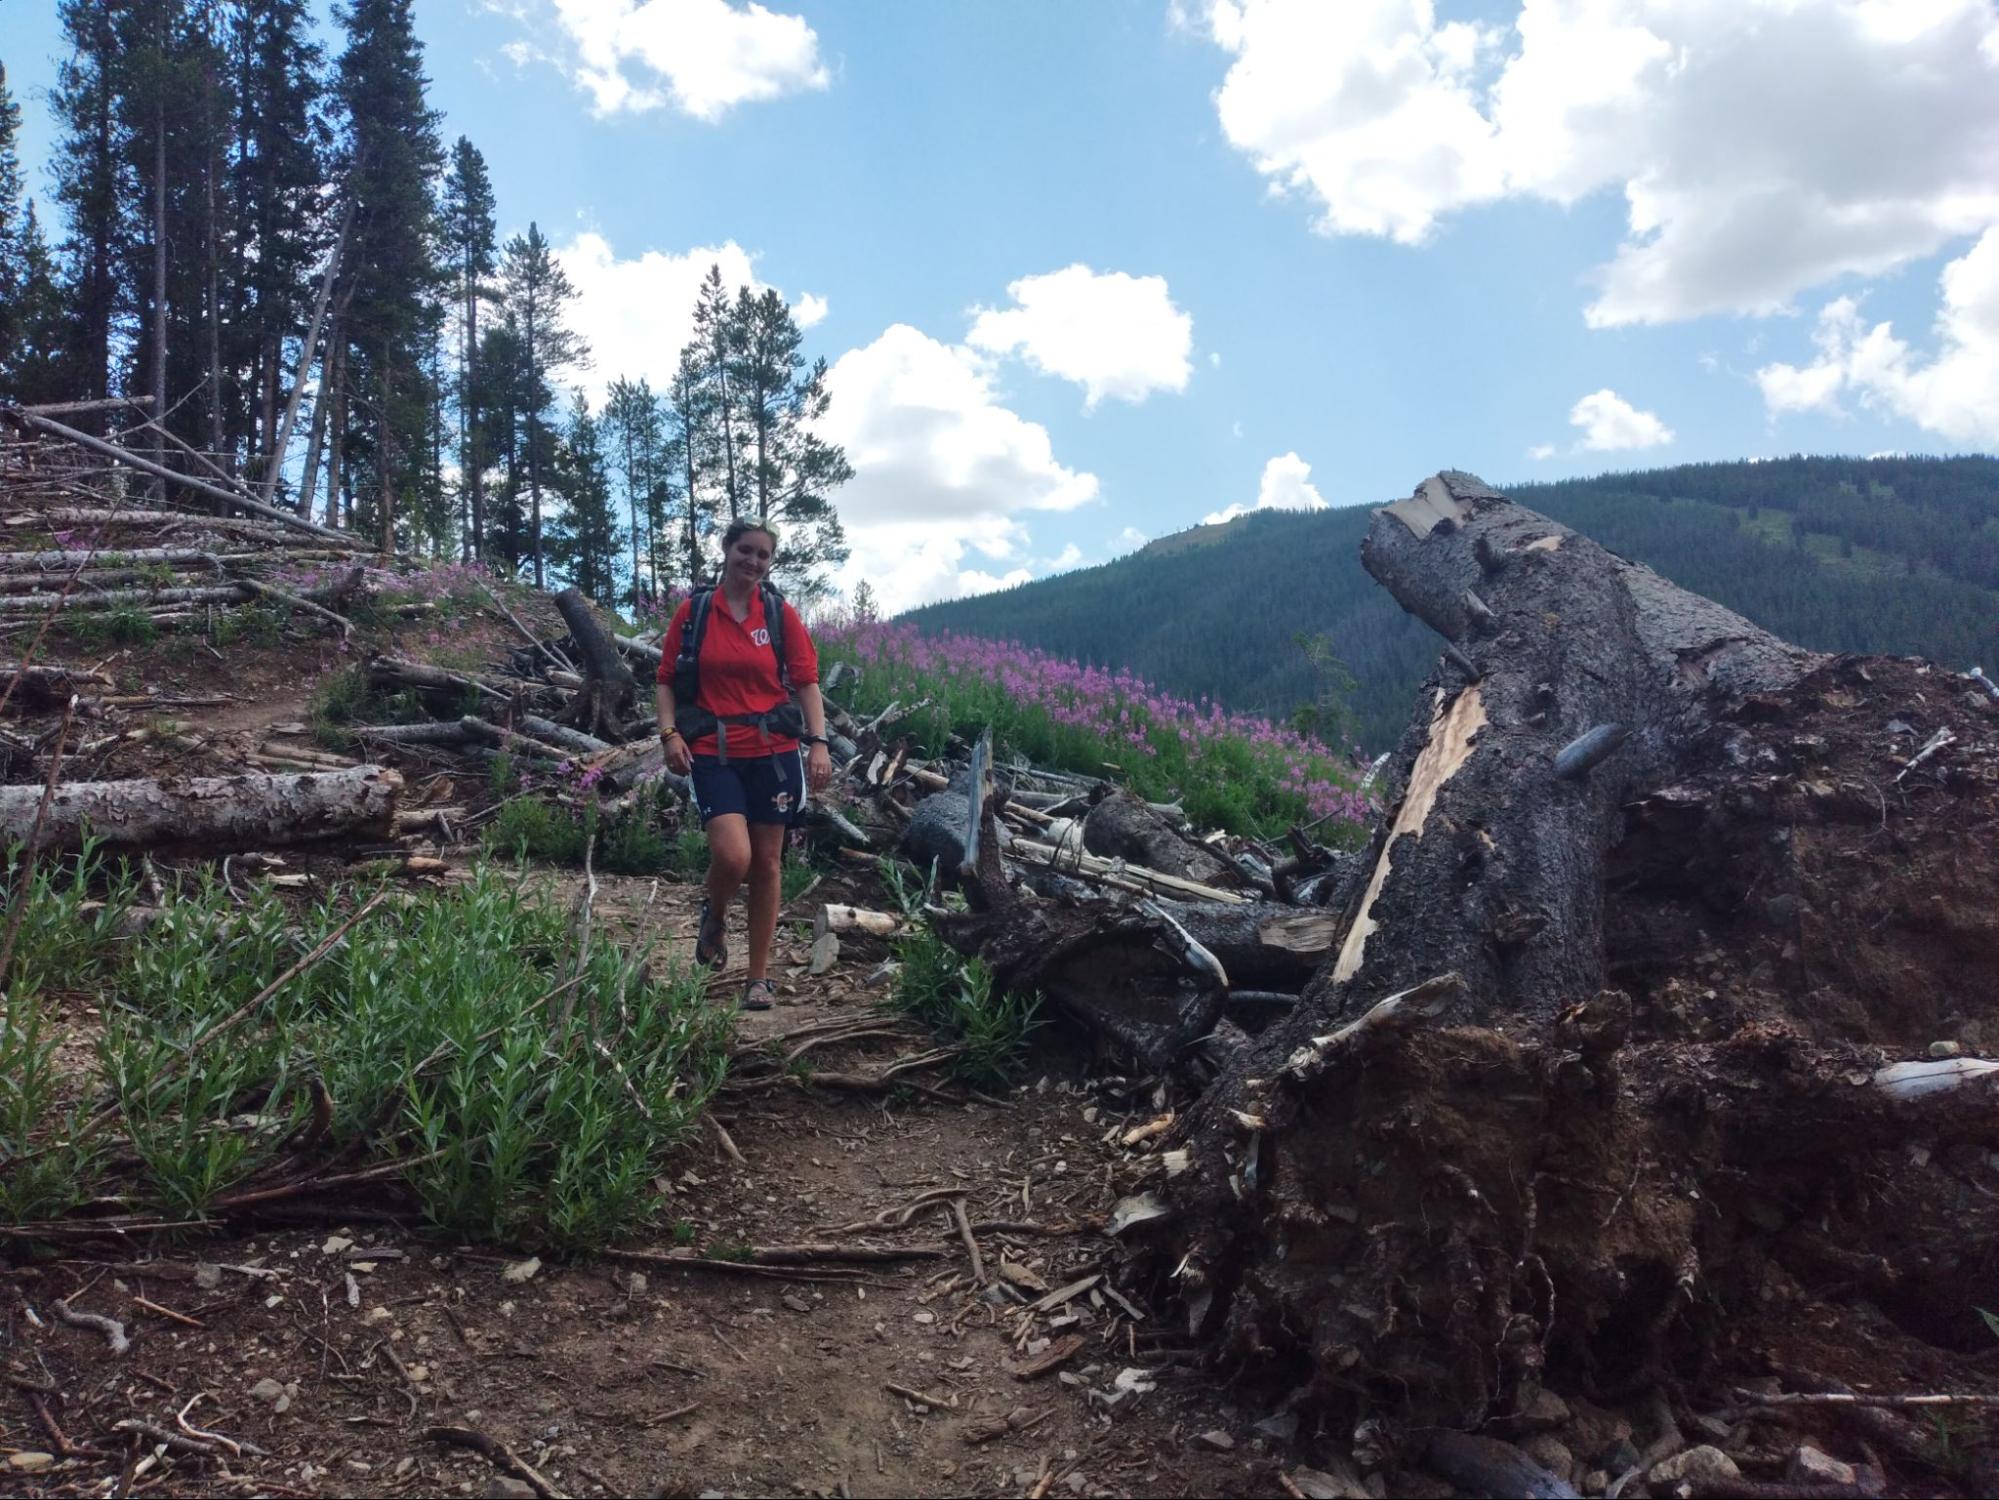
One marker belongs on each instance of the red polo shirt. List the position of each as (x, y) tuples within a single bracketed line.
[(739, 670)]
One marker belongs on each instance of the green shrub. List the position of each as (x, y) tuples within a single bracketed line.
[(519, 1107), (956, 998)]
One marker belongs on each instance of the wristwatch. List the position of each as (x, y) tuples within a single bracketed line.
[(814, 739)]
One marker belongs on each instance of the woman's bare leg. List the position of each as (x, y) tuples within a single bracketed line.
[(728, 864), (766, 846)]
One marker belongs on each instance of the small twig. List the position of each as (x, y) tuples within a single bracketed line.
[(921, 1398), (182, 1442), (57, 1437), (964, 1222), (111, 1328), (498, 1454), (672, 1416), (984, 1432), (727, 1142), (230, 1445), (1851, 1398), (148, 1305)]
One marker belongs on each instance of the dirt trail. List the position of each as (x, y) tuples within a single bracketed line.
[(333, 1347)]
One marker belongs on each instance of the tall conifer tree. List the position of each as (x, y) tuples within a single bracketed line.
[(391, 157), (538, 295), (469, 240)]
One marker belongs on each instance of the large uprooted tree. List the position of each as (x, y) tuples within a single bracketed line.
[(1472, 1159)]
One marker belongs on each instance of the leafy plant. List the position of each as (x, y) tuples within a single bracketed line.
[(956, 997), (527, 1094)]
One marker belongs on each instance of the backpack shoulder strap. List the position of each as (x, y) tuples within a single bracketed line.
[(774, 623), (688, 664)]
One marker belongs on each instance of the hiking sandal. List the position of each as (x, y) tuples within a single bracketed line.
[(711, 948), (759, 994)]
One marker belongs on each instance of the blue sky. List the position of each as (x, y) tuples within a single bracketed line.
[(1092, 273)]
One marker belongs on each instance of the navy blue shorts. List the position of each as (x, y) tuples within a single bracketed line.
[(760, 789)]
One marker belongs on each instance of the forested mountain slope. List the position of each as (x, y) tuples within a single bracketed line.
[(1897, 555)]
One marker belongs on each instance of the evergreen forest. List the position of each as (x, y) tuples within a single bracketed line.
[(254, 226), (1272, 613)]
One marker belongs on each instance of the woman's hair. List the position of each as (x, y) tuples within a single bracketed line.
[(740, 529)]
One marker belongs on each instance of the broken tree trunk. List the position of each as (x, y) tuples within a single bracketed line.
[(240, 812), (1405, 1182), (1264, 945), (1594, 676), (608, 685), (1124, 826)]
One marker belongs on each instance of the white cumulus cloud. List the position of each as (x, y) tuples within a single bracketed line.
[(1611, 423), (1761, 146), (1114, 334), (1541, 451), (944, 475), (809, 311), (638, 314), (700, 57), (1286, 485), (1955, 393)]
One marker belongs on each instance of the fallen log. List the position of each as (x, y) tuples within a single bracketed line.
[(561, 734), (512, 739), (132, 460), (1123, 826), (253, 811), (1262, 944), (453, 733), (80, 603), (389, 672), (609, 688), (1092, 867)]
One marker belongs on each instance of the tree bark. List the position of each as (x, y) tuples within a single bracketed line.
[(158, 330), (609, 688), (1123, 826), (1264, 945), (1360, 1182), (239, 812)]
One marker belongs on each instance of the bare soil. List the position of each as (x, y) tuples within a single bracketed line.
[(1798, 910), (326, 1342)]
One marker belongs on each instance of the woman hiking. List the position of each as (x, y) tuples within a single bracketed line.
[(738, 692)]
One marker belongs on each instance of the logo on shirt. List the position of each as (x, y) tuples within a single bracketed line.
[(761, 637)]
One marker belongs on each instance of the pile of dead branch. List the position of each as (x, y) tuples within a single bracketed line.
[(111, 549)]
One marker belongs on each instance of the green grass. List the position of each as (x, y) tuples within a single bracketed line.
[(956, 997), (126, 625), (1243, 776), (514, 1109), (344, 696), (628, 843)]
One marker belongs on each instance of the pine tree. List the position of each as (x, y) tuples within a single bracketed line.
[(634, 435), (695, 445), (538, 292), (15, 214), (584, 541), (713, 343), (469, 236), (792, 471), (38, 328), (87, 175), (275, 182), (497, 399), (390, 156)]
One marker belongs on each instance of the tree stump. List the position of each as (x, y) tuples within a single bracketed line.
[(609, 689), (1413, 1187)]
